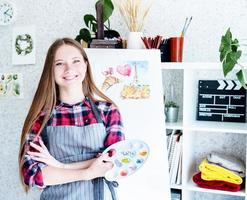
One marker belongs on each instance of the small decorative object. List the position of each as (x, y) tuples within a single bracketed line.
[(127, 156), (11, 85), (171, 111), (7, 13), (134, 15), (23, 45), (221, 100), (134, 40), (95, 26), (229, 56), (106, 43)]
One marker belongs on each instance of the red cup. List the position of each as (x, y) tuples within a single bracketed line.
[(176, 49)]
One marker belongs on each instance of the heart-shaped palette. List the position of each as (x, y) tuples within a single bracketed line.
[(127, 156)]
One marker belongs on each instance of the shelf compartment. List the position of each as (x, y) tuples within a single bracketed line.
[(220, 127), (193, 187), (175, 186), (197, 145), (174, 125), (208, 195)]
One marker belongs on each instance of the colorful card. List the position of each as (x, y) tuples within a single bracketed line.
[(127, 156)]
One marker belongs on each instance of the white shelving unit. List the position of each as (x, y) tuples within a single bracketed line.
[(201, 137)]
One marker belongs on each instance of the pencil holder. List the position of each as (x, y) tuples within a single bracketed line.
[(165, 52), (176, 49)]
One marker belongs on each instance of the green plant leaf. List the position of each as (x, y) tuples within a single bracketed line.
[(111, 34), (225, 46), (235, 45), (230, 61), (90, 22), (84, 34), (241, 77), (229, 53), (78, 38), (171, 104), (108, 8)]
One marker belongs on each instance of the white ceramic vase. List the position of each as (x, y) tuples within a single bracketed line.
[(134, 40)]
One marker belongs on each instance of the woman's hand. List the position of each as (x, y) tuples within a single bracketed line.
[(42, 154), (100, 166)]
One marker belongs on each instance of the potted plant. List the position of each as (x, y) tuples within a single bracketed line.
[(171, 111), (87, 34), (229, 56)]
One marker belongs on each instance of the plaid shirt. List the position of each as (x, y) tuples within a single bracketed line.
[(79, 114)]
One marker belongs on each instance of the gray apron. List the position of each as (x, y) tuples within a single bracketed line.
[(72, 144)]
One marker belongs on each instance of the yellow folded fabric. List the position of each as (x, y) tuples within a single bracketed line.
[(211, 172)]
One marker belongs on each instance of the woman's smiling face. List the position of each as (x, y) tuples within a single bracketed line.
[(69, 66)]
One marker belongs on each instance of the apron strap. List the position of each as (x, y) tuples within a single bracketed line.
[(98, 191), (99, 182), (44, 137), (112, 185), (96, 111)]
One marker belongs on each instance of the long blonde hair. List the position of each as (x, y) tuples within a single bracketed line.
[(45, 97)]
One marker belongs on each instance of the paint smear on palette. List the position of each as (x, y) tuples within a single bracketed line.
[(127, 156)]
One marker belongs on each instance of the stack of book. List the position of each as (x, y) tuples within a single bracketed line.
[(175, 194), (174, 148), (100, 43)]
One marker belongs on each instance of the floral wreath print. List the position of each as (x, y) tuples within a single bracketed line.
[(23, 44)]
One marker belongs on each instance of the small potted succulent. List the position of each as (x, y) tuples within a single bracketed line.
[(171, 111)]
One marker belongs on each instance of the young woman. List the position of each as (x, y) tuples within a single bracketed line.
[(68, 125)]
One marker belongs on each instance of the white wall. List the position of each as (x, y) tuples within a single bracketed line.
[(55, 19)]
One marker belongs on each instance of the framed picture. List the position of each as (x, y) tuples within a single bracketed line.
[(23, 45), (11, 85)]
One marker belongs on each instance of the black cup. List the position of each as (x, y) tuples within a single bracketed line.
[(165, 52)]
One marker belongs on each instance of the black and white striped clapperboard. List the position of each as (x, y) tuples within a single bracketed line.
[(221, 100)]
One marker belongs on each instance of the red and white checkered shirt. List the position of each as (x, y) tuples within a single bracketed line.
[(79, 114)]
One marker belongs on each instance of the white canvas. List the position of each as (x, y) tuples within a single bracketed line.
[(23, 45), (142, 113)]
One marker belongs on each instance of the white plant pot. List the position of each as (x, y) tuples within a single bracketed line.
[(134, 40)]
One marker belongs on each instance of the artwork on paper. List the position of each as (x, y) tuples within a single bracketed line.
[(11, 85), (129, 79), (23, 45)]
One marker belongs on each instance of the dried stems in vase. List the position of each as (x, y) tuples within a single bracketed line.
[(133, 13)]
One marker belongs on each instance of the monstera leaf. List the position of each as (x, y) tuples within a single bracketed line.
[(107, 9), (90, 22), (229, 56)]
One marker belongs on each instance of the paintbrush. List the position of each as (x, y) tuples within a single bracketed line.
[(186, 25)]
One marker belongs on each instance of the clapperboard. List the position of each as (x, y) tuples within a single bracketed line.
[(221, 100)]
